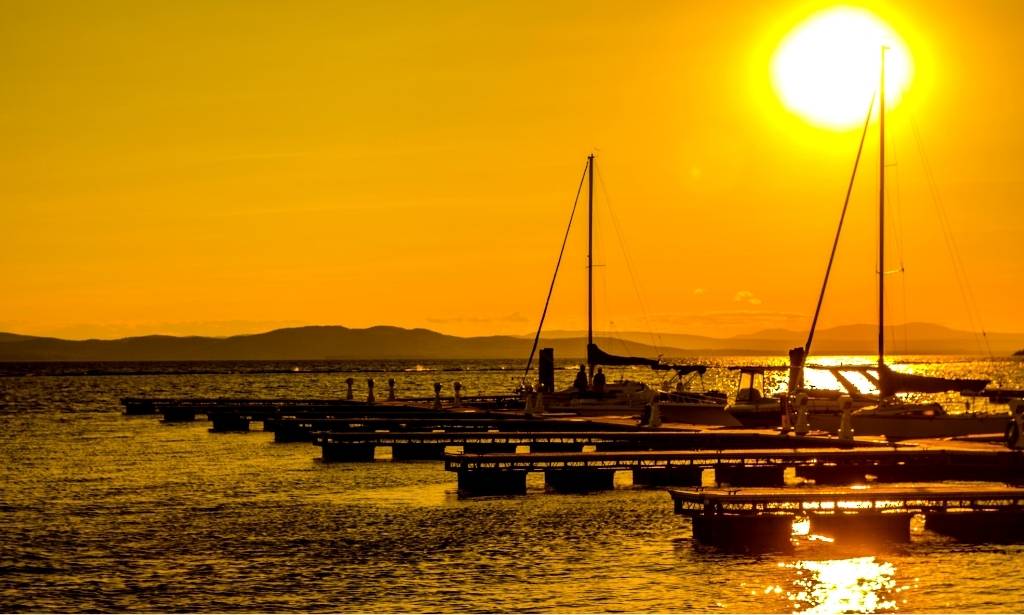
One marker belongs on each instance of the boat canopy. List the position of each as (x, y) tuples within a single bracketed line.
[(596, 356), (891, 382)]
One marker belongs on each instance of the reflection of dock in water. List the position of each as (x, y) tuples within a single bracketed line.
[(762, 519)]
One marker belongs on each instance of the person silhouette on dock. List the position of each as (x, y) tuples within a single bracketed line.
[(599, 381), (580, 384)]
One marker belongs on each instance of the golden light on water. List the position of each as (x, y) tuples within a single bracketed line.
[(858, 585), (827, 68)]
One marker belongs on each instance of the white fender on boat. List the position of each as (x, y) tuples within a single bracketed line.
[(846, 422), (1016, 426), (655, 419), (531, 404), (802, 425)]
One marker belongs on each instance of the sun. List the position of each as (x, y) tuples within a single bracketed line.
[(827, 68)]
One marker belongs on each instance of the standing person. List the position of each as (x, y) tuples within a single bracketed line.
[(580, 384), (599, 381)]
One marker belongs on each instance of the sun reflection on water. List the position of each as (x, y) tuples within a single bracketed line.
[(858, 585)]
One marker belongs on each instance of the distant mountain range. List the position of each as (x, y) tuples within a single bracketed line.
[(912, 338), (335, 342)]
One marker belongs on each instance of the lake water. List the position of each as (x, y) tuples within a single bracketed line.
[(103, 512)]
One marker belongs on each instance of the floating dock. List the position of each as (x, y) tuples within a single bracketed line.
[(505, 474), (360, 445), (291, 429), (762, 519), (258, 406)]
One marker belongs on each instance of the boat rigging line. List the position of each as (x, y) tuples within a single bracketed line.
[(959, 271), (558, 263), (842, 218), (655, 341)]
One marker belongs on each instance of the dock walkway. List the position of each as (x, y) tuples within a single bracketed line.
[(762, 519), (506, 473)]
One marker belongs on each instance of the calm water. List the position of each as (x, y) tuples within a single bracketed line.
[(103, 512)]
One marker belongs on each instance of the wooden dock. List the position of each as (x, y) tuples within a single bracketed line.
[(258, 407), (506, 473), (571, 438), (762, 519), (292, 429), (359, 445)]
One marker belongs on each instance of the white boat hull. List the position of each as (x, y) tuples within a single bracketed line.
[(694, 413), (913, 427)]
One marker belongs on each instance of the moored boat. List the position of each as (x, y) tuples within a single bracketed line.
[(892, 416), (592, 395), (901, 421)]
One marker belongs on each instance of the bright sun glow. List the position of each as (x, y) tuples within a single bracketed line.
[(827, 68)]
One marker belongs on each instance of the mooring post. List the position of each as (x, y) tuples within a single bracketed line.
[(349, 381), (369, 393), (391, 389), (437, 396), (458, 394)]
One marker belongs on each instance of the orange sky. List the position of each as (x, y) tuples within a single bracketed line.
[(224, 167)]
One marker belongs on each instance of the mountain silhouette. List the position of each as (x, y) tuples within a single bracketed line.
[(385, 342)]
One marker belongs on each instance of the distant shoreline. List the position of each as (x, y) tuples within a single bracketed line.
[(386, 343)]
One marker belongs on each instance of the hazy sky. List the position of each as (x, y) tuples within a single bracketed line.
[(215, 167)]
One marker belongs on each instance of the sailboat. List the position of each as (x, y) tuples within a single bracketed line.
[(625, 397), (891, 416)]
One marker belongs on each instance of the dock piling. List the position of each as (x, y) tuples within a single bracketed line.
[(674, 476), (228, 422), (863, 527), (750, 476), (579, 480)]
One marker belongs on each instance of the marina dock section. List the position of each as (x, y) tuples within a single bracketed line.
[(762, 519), (506, 474)]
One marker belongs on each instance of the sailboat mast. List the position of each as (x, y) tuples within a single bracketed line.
[(590, 265), (881, 217)]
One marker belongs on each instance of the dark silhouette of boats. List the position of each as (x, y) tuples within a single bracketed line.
[(624, 397), (890, 416)]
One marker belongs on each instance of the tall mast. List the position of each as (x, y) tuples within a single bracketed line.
[(590, 264), (881, 218)]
